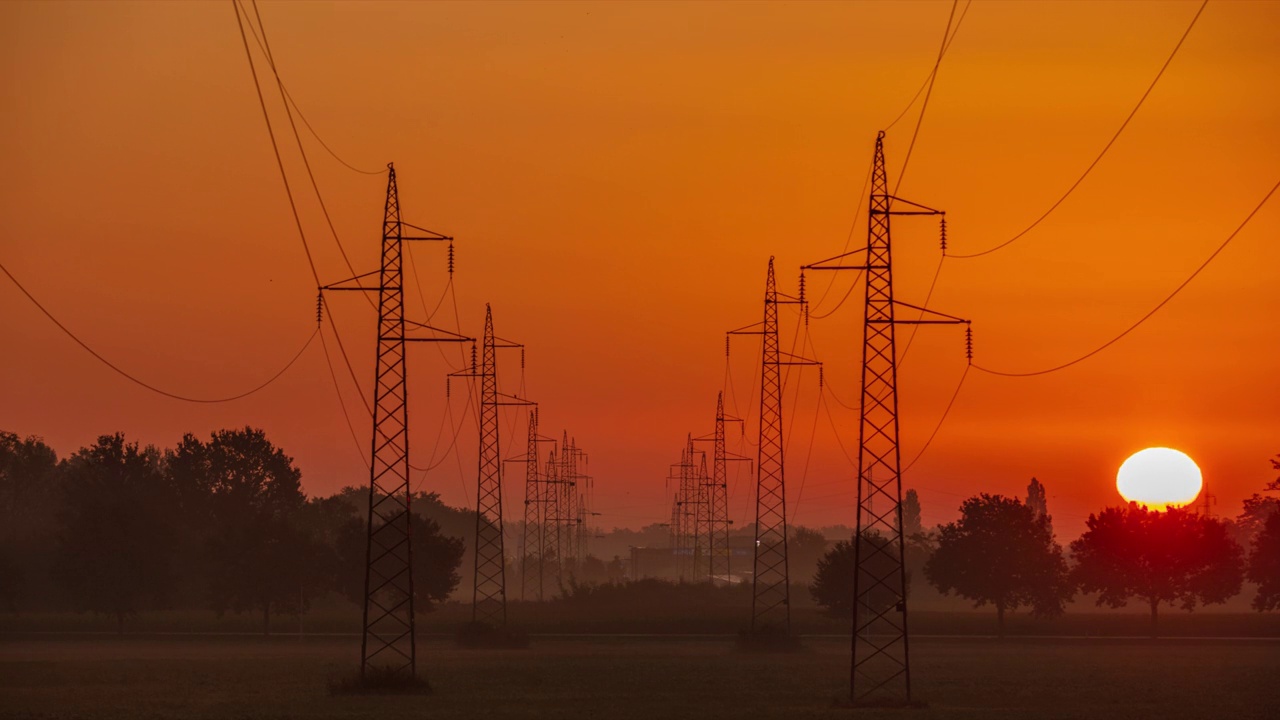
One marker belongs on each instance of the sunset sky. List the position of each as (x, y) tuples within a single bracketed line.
[(617, 176)]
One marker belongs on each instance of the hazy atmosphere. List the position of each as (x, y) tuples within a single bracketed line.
[(387, 359)]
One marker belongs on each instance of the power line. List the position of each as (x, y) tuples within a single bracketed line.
[(1153, 311), (297, 219), (924, 307), (343, 403), (941, 420), (948, 36), (288, 99), (1105, 148), (136, 380), (933, 76), (923, 85), (265, 45)]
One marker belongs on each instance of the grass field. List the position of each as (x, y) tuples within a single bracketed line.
[(622, 678)]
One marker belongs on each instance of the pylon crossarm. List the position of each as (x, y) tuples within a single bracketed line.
[(514, 400), (822, 264), (340, 284), (922, 209), (745, 328), (452, 336), (796, 359), (947, 319), (430, 234)]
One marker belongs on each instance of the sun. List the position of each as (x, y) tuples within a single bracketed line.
[(1159, 478)]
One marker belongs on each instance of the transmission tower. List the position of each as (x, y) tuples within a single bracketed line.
[(575, 483), (388, 618), (533, 561), (552, 512), (564, 516), (687, 513), (881, 671), (489, 600), (714, 519), (770, 581)]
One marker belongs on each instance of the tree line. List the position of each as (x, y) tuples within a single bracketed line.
[(117, 528), (1002, 552)]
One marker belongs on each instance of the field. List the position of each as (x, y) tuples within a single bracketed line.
[(78, 676)]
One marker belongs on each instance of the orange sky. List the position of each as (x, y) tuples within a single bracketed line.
[(617, 176)]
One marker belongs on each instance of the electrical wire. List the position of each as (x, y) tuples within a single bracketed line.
[(813, 433), (1105, 148), (343, 404), (924, 307), (288, 99), (941, 420), (1153, 310), (142, 383), (946, 46), (265, 45), (832, 311), (933, 76), (853, 225), (275, 147)]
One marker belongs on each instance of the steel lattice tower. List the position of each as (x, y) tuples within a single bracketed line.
[(880, 647), (533, 562), (489, 601), (388, 606), (715, 520), (552, 512), (686, 516), (387, 638), (770, 581), (702, 524), (881, 670)]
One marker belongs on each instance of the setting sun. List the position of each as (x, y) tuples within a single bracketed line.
[(1159, 478)]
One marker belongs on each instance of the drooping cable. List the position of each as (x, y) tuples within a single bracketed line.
[(275, 147), (933, 77), (288, 99), (945, 47), (941, 420), (1105, 148), (1153, 310), (142, 383)]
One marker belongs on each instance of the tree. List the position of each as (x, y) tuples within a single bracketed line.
[(1170, 556), (1264, 565), (257, 555), (832, 585), (911, 525), (1259, 508), (1038, 500), (1002, 553), (28, 518), (114, 554), (436, 559), (805, 551)]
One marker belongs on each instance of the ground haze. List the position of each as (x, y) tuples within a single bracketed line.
[(631, 677)]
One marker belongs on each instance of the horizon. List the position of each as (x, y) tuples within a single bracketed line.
[(616, 177)]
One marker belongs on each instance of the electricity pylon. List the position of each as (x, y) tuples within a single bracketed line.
[(489, 599), (566, 482), (388, 619), (881, 669), (770, 580), (533, 563), (551, 513), (714, 519), (686, 513)]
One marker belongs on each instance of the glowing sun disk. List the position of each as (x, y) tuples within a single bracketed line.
[(1159, 478)]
